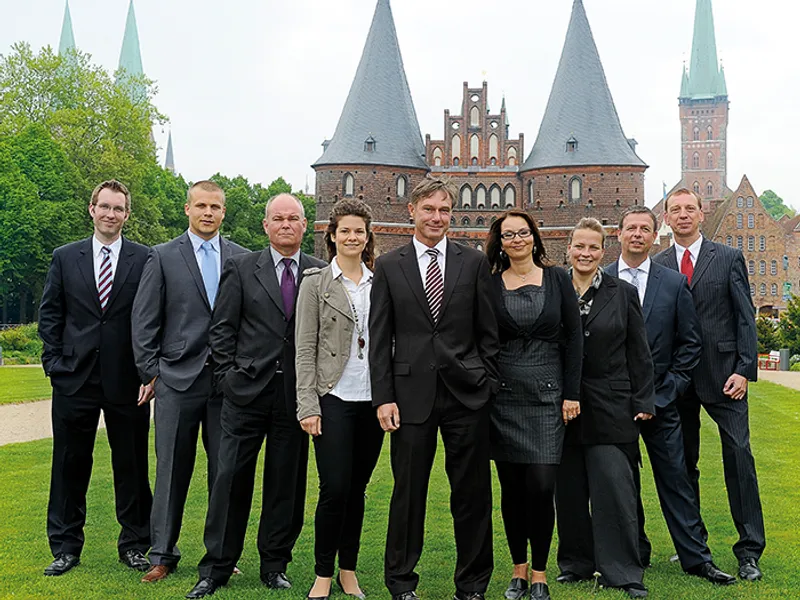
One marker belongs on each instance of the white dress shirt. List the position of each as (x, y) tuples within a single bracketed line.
[(354, 384), (625, 274), (694, 250), (424, 259), (97, 254), (197, 241), (277, 258)]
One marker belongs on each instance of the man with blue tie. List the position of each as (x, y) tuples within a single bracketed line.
[(171, 318), (674, 339)]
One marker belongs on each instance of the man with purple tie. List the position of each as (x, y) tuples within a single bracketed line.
[(252, 344)]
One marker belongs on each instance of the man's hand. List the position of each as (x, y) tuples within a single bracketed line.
[(312, 425), (735, 387), (146, 392), (643, 417), (389, 417), (570, 409)]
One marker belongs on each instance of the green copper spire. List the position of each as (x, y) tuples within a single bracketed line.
[(685, 83), (704, 71), (67, 36), (130, 58)]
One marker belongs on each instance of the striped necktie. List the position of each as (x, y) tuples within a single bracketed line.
[(105, 279), (434, 284)]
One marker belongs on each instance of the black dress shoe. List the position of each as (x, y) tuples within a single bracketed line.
[(412, 595), (748, 569), (62, 563), (459, 595), (135, 560), (518, 588), (540, 591), (204, 587), (276, 580), (710, 572), (341, 587), (636, 591), (570, 577)]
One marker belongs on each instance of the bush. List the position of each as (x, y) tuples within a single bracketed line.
[(21, 345), (794, 359), (795, 367)]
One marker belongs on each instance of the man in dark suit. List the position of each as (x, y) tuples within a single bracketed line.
[(85, 324), (721, 293), (252, 344), (433, 365), (673, 334), (171, 317)]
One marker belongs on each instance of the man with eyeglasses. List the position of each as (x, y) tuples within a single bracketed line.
[(85, 324)]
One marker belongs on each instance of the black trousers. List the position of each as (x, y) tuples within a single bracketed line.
[(663, 439), (178, 420), (75, 420), (465, 434), (607, 539), (528, 509), (346, 453), (284, 486), (741, 482)]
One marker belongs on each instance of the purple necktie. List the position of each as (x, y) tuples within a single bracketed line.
[(288, 288)]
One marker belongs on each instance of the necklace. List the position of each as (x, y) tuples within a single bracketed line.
[(360, 341), (521, 276)]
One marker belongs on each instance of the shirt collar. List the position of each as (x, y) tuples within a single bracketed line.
[(336, 271), (115, 246), (421, 248), (694, 248), (197, 241), (277, 257), (645, 266)]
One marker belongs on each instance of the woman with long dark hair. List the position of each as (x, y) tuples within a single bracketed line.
[(540, 365), (334, 393)]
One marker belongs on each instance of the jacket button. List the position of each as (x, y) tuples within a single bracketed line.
[(327, 295), (586, 333), (330, 386), (333, 318), (432, 367), (333, 353), (435, 334)]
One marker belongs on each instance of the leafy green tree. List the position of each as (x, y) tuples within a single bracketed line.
[(789, 325), (768, 335), (774, 205)]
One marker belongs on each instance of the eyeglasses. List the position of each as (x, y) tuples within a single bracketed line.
[(522, 233), (104, 208)]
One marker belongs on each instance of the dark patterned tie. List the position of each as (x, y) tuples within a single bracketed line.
[(288, 288), (434, 284), (105, 279)]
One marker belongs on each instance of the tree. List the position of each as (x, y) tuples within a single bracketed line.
[(768, 335), (774, 205), (789, 325)]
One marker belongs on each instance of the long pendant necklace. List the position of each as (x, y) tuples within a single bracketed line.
[(361, 342)]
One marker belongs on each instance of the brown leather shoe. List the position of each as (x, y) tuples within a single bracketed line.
[(157, 573)]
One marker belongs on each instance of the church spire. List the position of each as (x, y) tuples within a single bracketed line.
[(378, 125), (130, 57), (169, 163), (67, 36), (580, 124), (706, 79)]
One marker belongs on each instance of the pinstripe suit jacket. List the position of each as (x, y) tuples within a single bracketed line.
[(721, 294)]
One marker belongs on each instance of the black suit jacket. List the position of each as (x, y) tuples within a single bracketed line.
[(77, 333), (673, 331), (408, 351), (617, 375), (251, 338), (721, 294)]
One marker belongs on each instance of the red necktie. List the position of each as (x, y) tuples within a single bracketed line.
[(687, 268)]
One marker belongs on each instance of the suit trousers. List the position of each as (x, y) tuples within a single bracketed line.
[(465, 434), (346, 453), (741, 482), (663, 439), (178, 419), (75, 421), (607, 539), (284, 485)]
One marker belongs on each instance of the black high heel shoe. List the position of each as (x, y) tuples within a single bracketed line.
[(339, 583)]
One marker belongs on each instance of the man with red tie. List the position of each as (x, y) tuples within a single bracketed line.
[(721, 294), (85, 324)]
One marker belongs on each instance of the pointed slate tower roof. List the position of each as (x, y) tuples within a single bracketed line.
[(169, 163), (706, 78), (67, 41), (580, 125), (379, 106), (130, 57)]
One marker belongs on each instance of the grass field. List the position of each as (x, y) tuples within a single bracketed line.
[(23, 384), (775, 419)]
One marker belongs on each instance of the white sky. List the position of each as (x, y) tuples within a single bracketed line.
[(253, 87)]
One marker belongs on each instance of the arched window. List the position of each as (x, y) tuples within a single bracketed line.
[(709, 189), (696, 188), (762, 243), (530, 191), (751, 243), (773, 267), (465, 222), (575, 190), (695, 161), (511, 161), (511, 196), (751, 267), (480, 197), (774, 289), (762, 267), (729, 241), (401, 187), (749, 202), (751, 221), (466, 197), (480, 222), (474, 117), (455, 161), (752, 289), (452, 221), (474, 147), (696, 134), (494, 194), (493, 147), (710, 133), (456, 148), (739, 243), (762, 289), (349, 184), (437, 156), (740, 202), (709, 161), (739, 221)]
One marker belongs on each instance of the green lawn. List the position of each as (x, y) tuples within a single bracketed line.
[(775, 418), (23, 384)]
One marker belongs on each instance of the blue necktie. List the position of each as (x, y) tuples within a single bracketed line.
[(208, 267)]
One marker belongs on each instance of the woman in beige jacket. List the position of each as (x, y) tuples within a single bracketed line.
[(334, 393)]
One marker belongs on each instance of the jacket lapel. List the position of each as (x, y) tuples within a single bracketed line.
[(606, 291), (123, 268), (187, 252), (334, 295), (410, 266), (452, 270), (265, 274), (704, 258), (651, 291), (86, 267), (671, 258)]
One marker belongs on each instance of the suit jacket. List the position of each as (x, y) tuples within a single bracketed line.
[(77, 333), (721, 294), (617, 375), (172, 314), (409, 351), (251, 338), (673, 331)]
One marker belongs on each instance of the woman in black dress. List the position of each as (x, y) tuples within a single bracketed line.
[(540, 364)]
